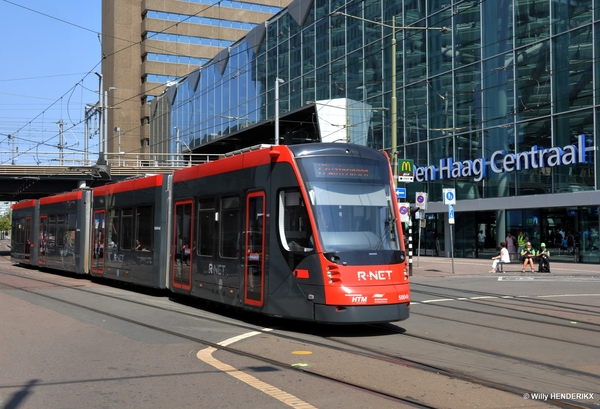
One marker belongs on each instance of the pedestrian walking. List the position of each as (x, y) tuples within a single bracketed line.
[(481, 240)]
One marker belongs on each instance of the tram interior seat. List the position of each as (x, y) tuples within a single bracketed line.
[(352, 240)]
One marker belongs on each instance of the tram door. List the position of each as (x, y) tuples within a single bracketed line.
[(43, 239), (98, 241), (27, 249), (254, 241), (181, 250)]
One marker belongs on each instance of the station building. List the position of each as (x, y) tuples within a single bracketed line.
[(503, 108)]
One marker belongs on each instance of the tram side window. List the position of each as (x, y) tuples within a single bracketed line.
[(144, 227), (71, 228), (126, 238), (15, 235), (206, 227), (113, 229), (43, 235), (60, 231), (294, 226), (18, 233), (51, 232), (230, 226)]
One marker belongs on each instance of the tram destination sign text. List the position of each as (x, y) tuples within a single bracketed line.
[(342, 170)]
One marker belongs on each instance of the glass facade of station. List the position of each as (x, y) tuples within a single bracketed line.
[(503, 109)]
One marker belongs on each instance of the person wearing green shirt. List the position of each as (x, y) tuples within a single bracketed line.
[(527, 255), (544, 257), (521, 242)]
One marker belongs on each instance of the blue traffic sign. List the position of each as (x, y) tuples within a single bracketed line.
[(400, 193), (449, 197)]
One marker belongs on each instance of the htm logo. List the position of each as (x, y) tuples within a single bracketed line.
[(359, 299)]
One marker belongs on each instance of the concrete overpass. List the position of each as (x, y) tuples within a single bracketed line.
[(31, 182)]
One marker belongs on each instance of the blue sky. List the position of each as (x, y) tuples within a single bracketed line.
[(49, 50)]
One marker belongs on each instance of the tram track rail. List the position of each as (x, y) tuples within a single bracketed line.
[(488, 352), (537, 303), (233, 350), (352, 348), (542, 301)]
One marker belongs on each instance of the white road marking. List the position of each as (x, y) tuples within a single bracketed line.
[(501, 297), (205, 355), (238, 338)]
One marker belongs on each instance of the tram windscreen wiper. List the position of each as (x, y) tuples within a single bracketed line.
[(389, 223)]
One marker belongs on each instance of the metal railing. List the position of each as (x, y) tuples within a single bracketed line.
[(48, 163)]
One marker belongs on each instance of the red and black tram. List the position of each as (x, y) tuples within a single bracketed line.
[(302, 231), (129, 228), (23, 240), (306, 232), (63, 232)]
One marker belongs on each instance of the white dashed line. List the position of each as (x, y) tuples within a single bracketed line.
[(501, 297)]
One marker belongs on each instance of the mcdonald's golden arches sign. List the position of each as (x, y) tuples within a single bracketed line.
[(406, 170)]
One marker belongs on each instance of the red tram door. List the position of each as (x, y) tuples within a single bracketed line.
[(98, 241), (28, 242), (43, 239), (181, 253), (254, 247)]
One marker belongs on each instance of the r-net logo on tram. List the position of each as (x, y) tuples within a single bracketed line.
[(378, 275)]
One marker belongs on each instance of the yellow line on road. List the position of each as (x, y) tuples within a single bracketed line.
[(205, 355)]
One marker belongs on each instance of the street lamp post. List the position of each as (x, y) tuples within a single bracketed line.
[(277, 82), (394, 132), (177, 145), (118, 130), (101, 102)]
